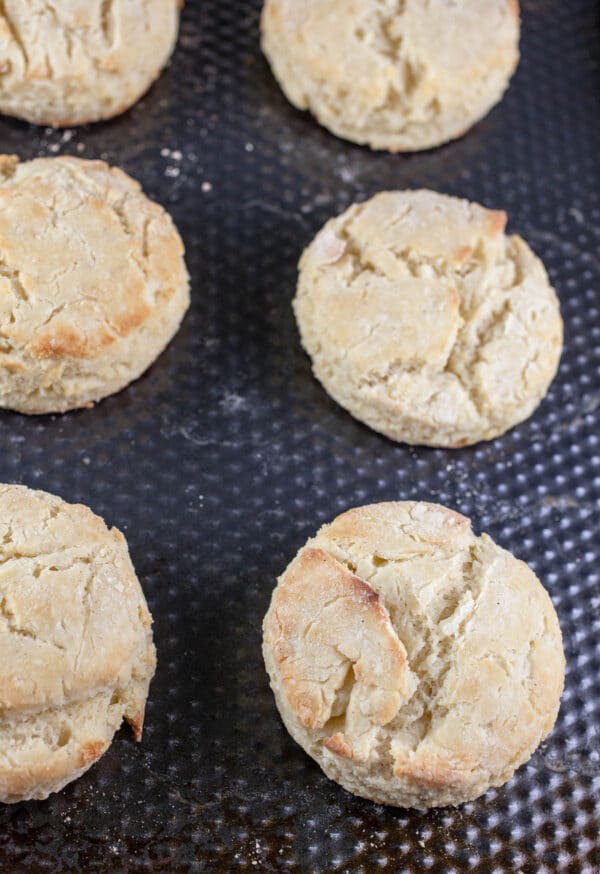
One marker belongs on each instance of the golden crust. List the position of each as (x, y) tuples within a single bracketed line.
[(136, 723), (64, 342), (91, 752), (92, 293), (438, 772), (327, 627), (47, 772), (425, 321), (76, 651), (338, 745), (475, 682), (396, 76), (496, 221)]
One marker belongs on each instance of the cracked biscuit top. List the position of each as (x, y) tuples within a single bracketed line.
[(76, 651), (425, 321), (92, 282), (400, 75), (69, 62), (417, 663)]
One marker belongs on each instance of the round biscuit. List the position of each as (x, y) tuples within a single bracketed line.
[(417, 663), (425, 321), (76, 61), (93, 284), (76, 650), (400, 75)]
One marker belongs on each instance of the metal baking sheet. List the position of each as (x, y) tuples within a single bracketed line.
[(226, 455)]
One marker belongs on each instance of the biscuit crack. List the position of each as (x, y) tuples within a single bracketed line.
[(431, 662), (13, 627), (392, 43), (87, 604), (11, 623), (142, 240), (64, 29), (15, 280), (15, 34), (107, 21), (474, 332), (460, 362)]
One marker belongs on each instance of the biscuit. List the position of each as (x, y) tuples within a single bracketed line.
[(425, 321), (76, 650), (93, 284), (74, 61), (400, 75), (418, 664)]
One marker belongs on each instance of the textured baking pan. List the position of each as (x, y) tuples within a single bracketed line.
[(222, 460)]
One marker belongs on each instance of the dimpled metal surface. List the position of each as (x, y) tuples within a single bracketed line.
[(227, 455)]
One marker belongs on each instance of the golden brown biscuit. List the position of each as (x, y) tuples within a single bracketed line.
[(93, 284), (76, 650), (394, 74), (418, 664), (425, 321), (70, 62)]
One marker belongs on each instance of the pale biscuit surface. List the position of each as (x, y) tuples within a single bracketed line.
[(93, 284), (68, 62), (418, 664), (76, 650), (400, 75), (425, 321)]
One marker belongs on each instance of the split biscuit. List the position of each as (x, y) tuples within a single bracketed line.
[(76, 650)]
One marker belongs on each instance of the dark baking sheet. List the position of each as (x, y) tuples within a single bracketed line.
[(221, 461)]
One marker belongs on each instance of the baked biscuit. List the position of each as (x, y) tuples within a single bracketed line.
[(418, 664), (76, 650), (93, 284), (425, 321), (74, 61), (400, 75)]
